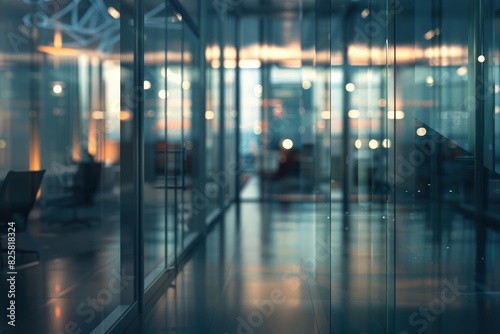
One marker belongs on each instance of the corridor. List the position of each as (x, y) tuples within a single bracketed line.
[(250, 166)]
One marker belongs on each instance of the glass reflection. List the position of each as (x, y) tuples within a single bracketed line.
[(155, 172), (63, 111)]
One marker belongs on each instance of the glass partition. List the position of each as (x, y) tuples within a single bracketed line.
[(378, 119), (66, 110), (316, 113), (359, 153), (251, 93), (174, 152), (193, 118), (156, 235), (214, 87), (285, 143), (445, 179), (227, 185)]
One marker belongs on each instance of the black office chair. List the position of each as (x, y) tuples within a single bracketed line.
[(82, 191), (17, 196)]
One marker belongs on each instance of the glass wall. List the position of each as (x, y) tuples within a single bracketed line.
[(251, 94), (316, 158), (175, 198), (228, 191), (444, 182), (102, 109), (379, 118), (66, 110), (414, 133), (193, 140), (214, 89)]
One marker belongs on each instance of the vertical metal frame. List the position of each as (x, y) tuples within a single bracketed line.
[(321, 288), (478, 91), (138, 113), (346, 133), (265, 70), (166, 154), (391, 86), (202, 121), (183, 152), (131, 162), (132, 158), (222, 107), (237, 181)]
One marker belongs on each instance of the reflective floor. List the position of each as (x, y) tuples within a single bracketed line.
[(236, 282), (248, 277), (76, 261), (252, 274)]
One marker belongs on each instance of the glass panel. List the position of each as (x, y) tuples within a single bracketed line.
[(252, 126), (174, 151), (359, 153), (226, 179), (212, 114), (155, 149), (192, 116), (316, 159), (444, 179), (63, 111), (285, 130)]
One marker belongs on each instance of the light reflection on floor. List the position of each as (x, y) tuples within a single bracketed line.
[(242, 269)]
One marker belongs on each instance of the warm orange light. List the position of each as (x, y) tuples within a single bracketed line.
[(58, 52), (91, 141), (98, 115), (125, 115), (58, 39), (57, 49), (35, 160), (112, 154), (172, 125)]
